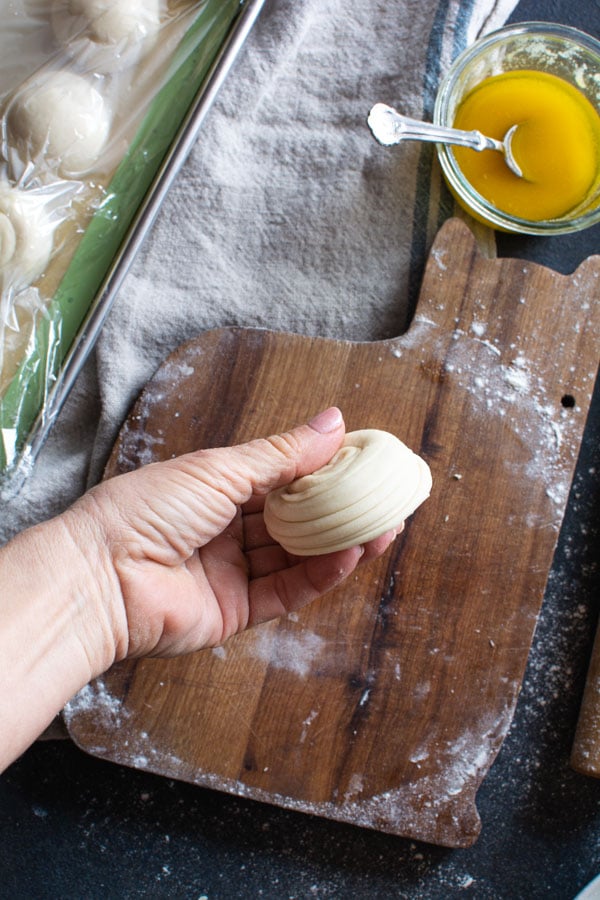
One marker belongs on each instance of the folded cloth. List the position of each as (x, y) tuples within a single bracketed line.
[(287, 214)]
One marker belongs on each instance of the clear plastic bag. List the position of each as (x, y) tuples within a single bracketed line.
[(100, 101)]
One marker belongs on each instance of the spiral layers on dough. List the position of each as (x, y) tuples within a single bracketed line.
[(370, 486)]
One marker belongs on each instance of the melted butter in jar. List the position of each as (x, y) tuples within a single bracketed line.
[(557, 144)]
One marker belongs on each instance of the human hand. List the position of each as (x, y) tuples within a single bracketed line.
[(167, 559), (184, 546)]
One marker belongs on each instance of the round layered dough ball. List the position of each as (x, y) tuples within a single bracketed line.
[(107, 35), (26, 237), (61, 119), (370, 486)]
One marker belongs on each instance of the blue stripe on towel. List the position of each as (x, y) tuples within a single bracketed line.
[(431, 80)]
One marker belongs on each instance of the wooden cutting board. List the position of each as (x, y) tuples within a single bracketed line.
[(385, 703)]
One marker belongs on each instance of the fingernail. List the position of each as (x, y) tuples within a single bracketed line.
[(327, 421)]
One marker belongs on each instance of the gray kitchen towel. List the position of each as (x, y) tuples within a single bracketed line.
[(287, 214)]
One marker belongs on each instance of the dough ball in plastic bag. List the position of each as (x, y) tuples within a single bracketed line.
[(26, 237), (59, 119), (106, 35)]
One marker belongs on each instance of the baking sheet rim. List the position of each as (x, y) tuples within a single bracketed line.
[(12, 480)]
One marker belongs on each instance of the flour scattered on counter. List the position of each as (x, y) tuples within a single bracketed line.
[(96, 697), (423, 804), (138, 447), (364, 698), (355, 787), (516, 393), (517, 378), (439, 256), (307, 723), (140, 752), (415, 337), (291, 650)]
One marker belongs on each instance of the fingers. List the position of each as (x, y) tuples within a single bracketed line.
[(379, 545), (290, 589), (268, 558), (276, 589), (266, 555)]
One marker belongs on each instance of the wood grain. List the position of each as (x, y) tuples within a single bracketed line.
[(385, 703)]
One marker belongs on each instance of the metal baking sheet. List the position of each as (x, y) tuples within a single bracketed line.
[(17, 470)]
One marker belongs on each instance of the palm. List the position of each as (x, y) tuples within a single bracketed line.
[(241, 577), (187, 542)]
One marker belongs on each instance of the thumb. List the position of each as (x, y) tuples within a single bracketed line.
[(225, 478), (279, 459), (184, 502)]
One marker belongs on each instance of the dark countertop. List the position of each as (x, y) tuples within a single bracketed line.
[(75, 827)]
